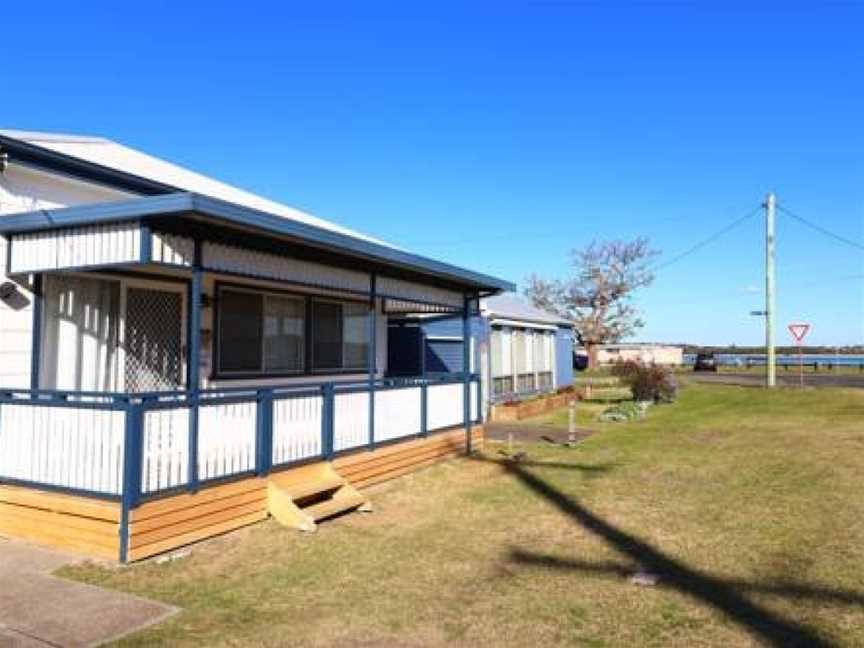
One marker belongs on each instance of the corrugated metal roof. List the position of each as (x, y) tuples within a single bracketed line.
[(509, 306), (110, 154)]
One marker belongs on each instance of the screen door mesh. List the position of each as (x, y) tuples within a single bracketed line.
[(154, 321)]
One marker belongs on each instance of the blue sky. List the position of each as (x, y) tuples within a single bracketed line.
[(500, 135)]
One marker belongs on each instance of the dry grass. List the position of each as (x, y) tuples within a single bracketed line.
[(750, 504)]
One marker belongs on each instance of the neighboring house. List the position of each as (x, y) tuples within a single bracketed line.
[(660, 354), (520, 350), (173, 349)]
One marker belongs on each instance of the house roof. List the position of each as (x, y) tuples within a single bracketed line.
[(113, 155), (170, 190), (509, 306)]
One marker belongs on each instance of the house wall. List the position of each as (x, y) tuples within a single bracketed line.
[(563, 357), (16, 326), (441, 344), (25, 189)]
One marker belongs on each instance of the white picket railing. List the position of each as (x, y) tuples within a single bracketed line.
[(75, 441), (63, 446), (296, 428), (164, 449), (226, 439), (444, 406), (398, 413), (350, 420)]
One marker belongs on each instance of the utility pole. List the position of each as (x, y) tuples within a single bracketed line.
[(770, 302)]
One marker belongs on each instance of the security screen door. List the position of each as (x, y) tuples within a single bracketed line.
[(153, 339)]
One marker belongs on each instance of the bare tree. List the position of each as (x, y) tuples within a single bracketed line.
[(598, 297)]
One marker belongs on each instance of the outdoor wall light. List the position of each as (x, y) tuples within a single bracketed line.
[(12, 297)]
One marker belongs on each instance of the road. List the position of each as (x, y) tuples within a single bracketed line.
[(783, 378)]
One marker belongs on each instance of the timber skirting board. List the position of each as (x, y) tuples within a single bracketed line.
[(67, 522)]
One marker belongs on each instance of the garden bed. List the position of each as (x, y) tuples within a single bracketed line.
[(516, 411)]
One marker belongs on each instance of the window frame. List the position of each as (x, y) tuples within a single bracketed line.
[(217, 373), (310, 344)]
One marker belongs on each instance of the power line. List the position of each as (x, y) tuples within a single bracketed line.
[(822, 230), (707, 241), (532, 235)]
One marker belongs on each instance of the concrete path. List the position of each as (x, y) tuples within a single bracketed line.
[(38, 610)]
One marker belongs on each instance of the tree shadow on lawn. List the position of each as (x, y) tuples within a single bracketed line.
[(723, 594), (589, 470)]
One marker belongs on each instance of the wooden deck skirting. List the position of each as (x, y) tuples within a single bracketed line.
[(367, 468), (164, 524), (66, 522), (92, 527)]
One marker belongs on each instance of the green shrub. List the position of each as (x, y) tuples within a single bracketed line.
[(647, 382)]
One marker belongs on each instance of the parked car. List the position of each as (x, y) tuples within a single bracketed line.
[(705, 362)]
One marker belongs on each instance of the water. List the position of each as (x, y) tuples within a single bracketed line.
[(741, 359)]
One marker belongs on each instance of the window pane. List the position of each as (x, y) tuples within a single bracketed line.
[(283, 333), (239, 331), (326, 335), (506, 352), (495, 352), (356, 335), (520, 351), (539, 351)]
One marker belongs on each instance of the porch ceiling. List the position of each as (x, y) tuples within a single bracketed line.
[(192, 213)]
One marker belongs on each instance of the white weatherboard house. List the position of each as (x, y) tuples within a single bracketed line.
[(179, 357)]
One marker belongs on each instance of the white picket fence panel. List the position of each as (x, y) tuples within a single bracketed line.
[(63, 446), (350, 420), (296, 428), (226, 439), (444, 406), (165, 449), (397, 413)]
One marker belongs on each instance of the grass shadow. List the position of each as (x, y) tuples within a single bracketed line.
[(782, 588), (724, 595)]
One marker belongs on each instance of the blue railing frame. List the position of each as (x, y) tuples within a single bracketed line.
[(135, 405)]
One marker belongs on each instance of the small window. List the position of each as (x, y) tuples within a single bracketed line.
[(340, 337), (283, 334), (240, 348), (496, 353), (355, 335), (326, 335), (260, 333)]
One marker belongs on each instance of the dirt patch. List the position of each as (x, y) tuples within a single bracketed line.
[(531, 433)]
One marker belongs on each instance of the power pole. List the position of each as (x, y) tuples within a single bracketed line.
[(770, 302)]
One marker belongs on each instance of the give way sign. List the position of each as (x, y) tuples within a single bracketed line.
[(798, 330)]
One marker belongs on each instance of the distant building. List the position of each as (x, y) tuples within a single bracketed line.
[(660, 354)]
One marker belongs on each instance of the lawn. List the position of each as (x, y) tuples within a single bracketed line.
[(748, 504)]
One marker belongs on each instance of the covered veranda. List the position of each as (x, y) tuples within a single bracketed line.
[(181, 343)]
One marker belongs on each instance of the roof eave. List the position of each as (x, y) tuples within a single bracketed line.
[(187, 204), (28, 154)]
